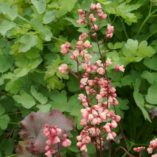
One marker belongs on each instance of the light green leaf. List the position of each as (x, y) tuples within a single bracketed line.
[(5, 26), (116, 45), (123, 9), (27, 61), (44, 108), (145, 50), (139, 99), (54, 83), (34, 63), (135, 52), (38, 96), (25, 99), (151, 77), (115, 57), (20, 72), (43, 30), (49, 17), (4, 121), (132, 46), (13, 86), (151, 96), (9, 10), (65, 7), (151, 62), (137, 85), (154, 2), (27, 42), (40, 5)]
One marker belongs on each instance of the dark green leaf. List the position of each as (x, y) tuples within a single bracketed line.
[(5, 63), (4, 120)]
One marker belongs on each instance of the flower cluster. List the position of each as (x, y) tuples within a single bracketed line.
[(65, 48), (152, 147), (86, 136), (99, 98), (55, 138), (138, 149), (63, 68), (93, 115), (91, 17)]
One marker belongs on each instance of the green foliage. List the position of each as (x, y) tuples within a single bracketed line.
[(139, 99), (123, 9), (29, 60), (40, 6), (151, 95), (4, 120), (151, 77), (151, 63), (25, 99), (31, 34), (6, 26), (135, 52), (131, 51)]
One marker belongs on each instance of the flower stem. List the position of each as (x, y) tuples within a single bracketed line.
[(130, 155)]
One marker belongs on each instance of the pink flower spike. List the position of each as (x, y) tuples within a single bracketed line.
[(65, 48), (83, 148), (103, 16), (92, 18), (49, 153), (138, 149), (101, 71), (83, 36), (108, 62), (95, 27), (87, 44), (63, 68), (81, 12), (119, 67), (92, 6), (149, 150), (109, 32), (80, 21), (66, 143), (75, 53), (98, 6), (113, 124), (110, 136), (154, 155)]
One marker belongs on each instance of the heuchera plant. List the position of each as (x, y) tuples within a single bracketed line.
[(98, 96), (46, 133), (151, 149)]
